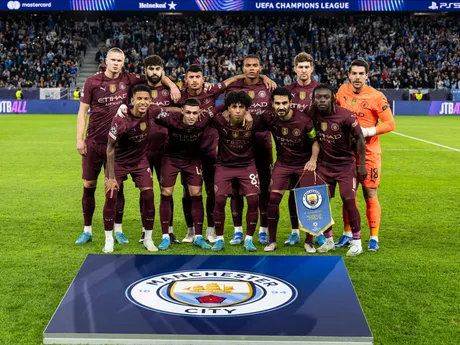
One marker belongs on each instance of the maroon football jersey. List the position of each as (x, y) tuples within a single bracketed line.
[(130, 134), (183, 140), (293, 138), (105, 95), (235, 143), (335, 133), (161, 97), (261, 97), (207, 102), (301, 95)]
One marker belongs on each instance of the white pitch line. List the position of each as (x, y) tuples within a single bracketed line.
[(427, 142)]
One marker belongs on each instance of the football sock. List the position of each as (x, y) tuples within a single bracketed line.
[(88, 228), (197, 213), (165, 213), (274, 214), (354, 217), (88, 204), (187, 207), (237, 205), (172, 214), (263, 207), (327, 233), (210, 200), (238, 229), (120, 205), (109, 211), (293, 211), (295, 231), (219, 214), (170, 229), (148, 234), (252, 214), (248, 237), (108, 235), (148, 210), (165, 236), (373, 214), (375, 238), (263, 230), (118, 227)]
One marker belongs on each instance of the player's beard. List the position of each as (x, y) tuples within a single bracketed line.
[(154, 79)]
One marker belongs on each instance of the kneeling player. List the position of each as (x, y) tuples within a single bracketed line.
[(336, 127), (126, 155), (235, 162), (297, 151), (182, 155)]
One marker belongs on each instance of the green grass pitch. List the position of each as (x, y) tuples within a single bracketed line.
[(409, 290)]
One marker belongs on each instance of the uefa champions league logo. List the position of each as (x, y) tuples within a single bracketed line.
[(211, 293)]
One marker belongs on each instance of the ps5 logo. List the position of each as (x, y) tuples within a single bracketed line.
[(444, 5), (13, 5)]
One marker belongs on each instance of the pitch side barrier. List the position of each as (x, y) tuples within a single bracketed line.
[(38, 107), (426, 108)]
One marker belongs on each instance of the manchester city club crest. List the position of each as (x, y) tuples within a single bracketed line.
[(251, 94), (262, 94), (353, 102), (165, 93), (323, 126), (302, 95), (312, 199), (296, 132), (143, 126), (364, 104), (235, 134), (112, 88), (335, 127), (211, 293), (154, 93), (284, 131), (247, 134)]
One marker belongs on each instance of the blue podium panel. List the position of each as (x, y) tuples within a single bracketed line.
[(187, 299)]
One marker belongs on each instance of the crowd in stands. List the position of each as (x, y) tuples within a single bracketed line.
[(404, 51), (41, 50)]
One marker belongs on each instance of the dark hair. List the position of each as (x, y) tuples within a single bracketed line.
[(360, 63), (237, 97), (154, 60), (251, 56), (326, 87), (192, 102), (140, 88), (194, 69), (281, 91)]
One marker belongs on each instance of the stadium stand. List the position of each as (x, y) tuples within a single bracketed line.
[(404, 51)]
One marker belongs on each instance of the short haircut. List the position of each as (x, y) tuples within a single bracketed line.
[(115, 50), (141, 88), (154, 60), (251, 56), (237, 97), (192, 102), (303, 57), (281, 91), (360, 63), (194, 68), (326, 87)]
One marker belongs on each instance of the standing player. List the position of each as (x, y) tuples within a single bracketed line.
[(104, 93), (182, 155), (254, 86), (302, 91), (369, 105), (235, 162), (297, 151), (126, 155), (207, 96), (336, 127)]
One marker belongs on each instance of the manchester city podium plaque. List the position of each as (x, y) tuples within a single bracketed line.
[(184, 299)]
